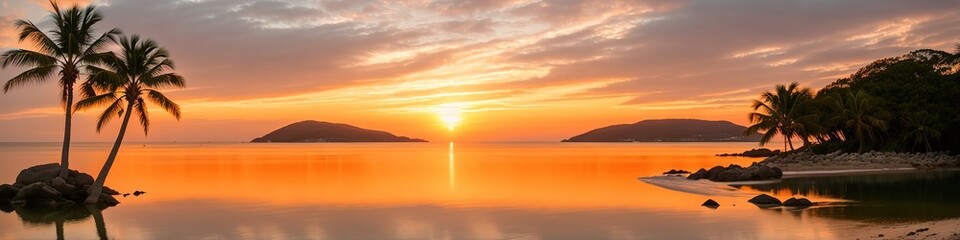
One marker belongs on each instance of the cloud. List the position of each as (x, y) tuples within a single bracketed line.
[(510, 55)]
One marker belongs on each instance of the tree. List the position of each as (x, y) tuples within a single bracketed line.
[(63, 50), (860, 114), (127, 80), (785, 111), (921, 128)]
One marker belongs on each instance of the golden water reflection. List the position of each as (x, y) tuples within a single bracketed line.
[(415, 191)]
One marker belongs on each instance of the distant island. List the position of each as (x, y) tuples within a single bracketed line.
[(316, 131), (668, 130)]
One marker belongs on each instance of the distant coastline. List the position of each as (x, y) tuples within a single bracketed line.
[(668, 130), (322, 132)]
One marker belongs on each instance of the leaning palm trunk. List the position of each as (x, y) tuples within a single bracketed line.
[(65, 152), (97, 187)]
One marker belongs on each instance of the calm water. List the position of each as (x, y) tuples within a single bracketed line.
[(452, 191)]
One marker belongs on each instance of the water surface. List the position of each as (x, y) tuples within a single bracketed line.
[(448, 191)]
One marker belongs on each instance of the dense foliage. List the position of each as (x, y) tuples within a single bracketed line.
[(909, 103)]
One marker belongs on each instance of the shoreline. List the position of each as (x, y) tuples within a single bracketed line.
[(937, 229)]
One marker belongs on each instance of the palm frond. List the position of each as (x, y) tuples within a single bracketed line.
[(25, 58), (95, 101), (30, 31), (34, 75), (164, 102), (141, 110), (114, 110)]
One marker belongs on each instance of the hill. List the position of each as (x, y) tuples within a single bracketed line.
[(314, 131), (668, 130)]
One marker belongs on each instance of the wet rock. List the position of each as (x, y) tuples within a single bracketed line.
[(79, 179), (107, 200), (797, 202), (7, 192), (110, 191), (39, 173), (710, 203), (39, 194), (674, 171), (698, 175), (765, 200), (61, 185), (713, 172)]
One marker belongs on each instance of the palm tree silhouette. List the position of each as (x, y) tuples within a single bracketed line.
[(784, 112), (860, 114), (63, 50), (129, 77)]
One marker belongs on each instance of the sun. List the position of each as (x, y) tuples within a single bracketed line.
[(450, 114)]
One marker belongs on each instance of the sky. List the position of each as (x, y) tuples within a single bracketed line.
[(494, 70)]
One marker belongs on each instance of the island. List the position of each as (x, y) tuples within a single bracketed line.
[(316, 131), (668, 130)]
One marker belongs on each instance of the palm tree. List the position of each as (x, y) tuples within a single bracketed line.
[(63, 50), (784, 112), (921, 127), (858, 112), (127, 79)]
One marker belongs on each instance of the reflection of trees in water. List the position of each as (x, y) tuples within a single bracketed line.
[(59, 216), (889, 197)]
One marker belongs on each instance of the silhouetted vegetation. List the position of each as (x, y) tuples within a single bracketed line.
[(64, 50), (909, 103)]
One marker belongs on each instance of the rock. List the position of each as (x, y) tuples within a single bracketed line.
[(110, 191), (713, 172), (777, 173), (138, 193), (698, 175), (673, 171), (764, 172), (797, 202), (61, 185), (39, 173), (107, 200), (79, 179), (7, 192), (765, 200), (710, 203), (39, 194)]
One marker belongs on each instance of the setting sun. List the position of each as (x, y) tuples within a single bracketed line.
[(450, 114)]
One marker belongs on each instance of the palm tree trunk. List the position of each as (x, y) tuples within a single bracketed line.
[(65, 152), (97, 187)]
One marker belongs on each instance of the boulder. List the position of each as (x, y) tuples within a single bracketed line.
[(764, 172), (713, 172), (710, 203), (39, 173), (61, 185), (109, 191), (777, 173), (7, 192), (698, 175), (77, 178), (674, 171), (39, 194), (107, 200), (764, 200), (797, 202)]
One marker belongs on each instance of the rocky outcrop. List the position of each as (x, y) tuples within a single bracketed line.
[(737, 173), (754, 153), (797, 203), (41, 186), (871, 160), (674, 171), (710, 203), (765, 200)]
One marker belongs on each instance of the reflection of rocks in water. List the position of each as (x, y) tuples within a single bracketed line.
[(42, 216), (58, 216), (918, 196)]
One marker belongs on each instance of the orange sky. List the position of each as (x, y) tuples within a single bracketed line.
[(498, 69)]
